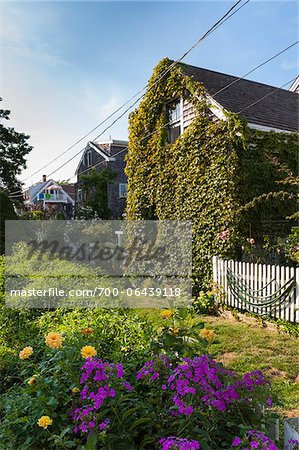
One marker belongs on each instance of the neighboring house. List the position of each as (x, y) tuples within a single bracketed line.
[(49, 195), (100, 156), (218, 150)]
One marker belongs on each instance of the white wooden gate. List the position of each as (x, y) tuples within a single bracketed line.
[(256, 277)]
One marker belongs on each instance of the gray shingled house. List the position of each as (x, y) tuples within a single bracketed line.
[(264, 107), (218, 150), (101, 156)]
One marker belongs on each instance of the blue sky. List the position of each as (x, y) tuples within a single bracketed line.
[(67, 65)]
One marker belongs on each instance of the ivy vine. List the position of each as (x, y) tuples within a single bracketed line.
[(219, 173)]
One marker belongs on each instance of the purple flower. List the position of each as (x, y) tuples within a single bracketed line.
[(127, 386), (103, 425), (175, 443), (254, 439), (237, 441)]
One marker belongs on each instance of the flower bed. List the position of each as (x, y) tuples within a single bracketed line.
[(70, 396)]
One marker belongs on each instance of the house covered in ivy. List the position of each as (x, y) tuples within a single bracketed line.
[(220, 151)]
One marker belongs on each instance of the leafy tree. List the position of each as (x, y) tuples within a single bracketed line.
[(95, 186), (7, 212), (13, 149)]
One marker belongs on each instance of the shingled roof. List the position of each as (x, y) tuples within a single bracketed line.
[(278, 111)]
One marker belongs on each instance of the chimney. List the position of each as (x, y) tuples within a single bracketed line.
[(44, 178)]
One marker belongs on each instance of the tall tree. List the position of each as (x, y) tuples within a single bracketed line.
[(13, 149), (7, 212)]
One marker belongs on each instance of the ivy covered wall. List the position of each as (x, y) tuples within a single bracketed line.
[(219, 174)]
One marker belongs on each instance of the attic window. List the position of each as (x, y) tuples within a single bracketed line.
[(87, 158), (174, 117)]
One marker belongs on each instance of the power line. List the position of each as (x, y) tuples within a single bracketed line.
[(254, 69), (265, 96), (181, 115), (168, 123), (223, 19)]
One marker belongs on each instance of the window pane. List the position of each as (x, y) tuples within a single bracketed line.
[(174, 111), (123, 190), (174, 133)]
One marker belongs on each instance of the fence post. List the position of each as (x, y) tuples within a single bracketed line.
[(215, 272)]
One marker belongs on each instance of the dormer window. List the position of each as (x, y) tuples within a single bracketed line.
[(174, 113)]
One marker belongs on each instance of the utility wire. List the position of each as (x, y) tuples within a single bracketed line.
[(268, 95), (223, 19), (168, 123), (181, 115), (254, 69)]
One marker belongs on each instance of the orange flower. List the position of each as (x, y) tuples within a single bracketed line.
[(54, 340), (207, 334), (26, 353), (32, 380), (166, 313), (88, 351), (87, 330)]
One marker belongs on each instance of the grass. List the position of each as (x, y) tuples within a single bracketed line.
[(244, 347)]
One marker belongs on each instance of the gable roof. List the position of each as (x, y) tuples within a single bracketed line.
[(37, 188), (277, 111), (102, 148), (70, 190)]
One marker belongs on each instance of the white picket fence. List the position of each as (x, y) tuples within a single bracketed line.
[(257, 276)]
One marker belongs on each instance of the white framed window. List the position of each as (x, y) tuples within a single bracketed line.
[(174, 111), (123, 190), (79, 195), (87, 158)]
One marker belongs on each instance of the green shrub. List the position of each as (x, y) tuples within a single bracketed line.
[(206, 303)]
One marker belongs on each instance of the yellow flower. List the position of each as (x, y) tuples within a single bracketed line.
[(166, 313), (44, 422), (32, 380), (207, 334), (25, 353), (88, 351), (87, 330), (54, 340), (75, 390)]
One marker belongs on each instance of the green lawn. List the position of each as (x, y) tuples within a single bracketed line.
[(244, 347)]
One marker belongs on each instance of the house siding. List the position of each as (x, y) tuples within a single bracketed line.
[(115, 204)]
